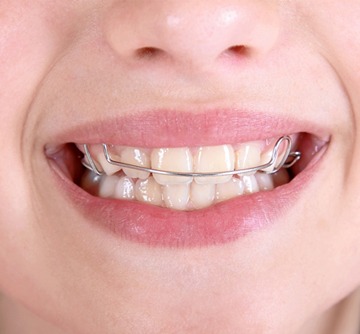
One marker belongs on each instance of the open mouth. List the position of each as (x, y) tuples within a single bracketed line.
[(197, 177), (186, 178), (194, 204)]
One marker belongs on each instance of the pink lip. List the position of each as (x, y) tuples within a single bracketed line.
[(164, 128), (155, 226), (218, 224)]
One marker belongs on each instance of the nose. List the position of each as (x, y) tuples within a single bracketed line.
[(193, 32)]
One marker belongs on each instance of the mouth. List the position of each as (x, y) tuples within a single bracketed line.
[(193, 205)]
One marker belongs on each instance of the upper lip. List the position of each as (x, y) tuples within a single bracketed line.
[(169, 128)]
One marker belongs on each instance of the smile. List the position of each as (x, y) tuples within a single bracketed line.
[(187, 178), (212, 194)]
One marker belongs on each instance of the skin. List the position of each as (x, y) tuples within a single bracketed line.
[(65, 61)]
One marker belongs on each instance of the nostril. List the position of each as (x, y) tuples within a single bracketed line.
[(148, 52), (237, 51)]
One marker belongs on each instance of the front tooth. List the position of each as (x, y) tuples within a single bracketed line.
[(124, 188), (148, 191), (250, 184), (174, 160), (214, 159), (248, 155), (176, 196), (233, 188), (137, 157), (107, 186), (202, 195)]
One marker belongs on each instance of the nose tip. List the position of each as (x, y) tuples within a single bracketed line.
[(192, 32)]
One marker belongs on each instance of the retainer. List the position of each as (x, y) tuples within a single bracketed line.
[(281, 151)]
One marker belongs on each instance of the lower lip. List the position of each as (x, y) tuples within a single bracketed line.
[(218, 224)]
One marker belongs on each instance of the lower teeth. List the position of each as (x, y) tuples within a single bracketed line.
[(191, 196)]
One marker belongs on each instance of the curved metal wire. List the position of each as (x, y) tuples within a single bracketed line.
[(288, 160)]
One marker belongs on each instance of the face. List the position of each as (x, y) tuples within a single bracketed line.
[(186, 86)]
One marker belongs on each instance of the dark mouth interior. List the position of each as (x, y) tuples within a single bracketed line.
[(68, 157)]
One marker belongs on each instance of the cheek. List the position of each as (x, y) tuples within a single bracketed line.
[(335, 26), (30, 40), (341, 44), (24, 55)]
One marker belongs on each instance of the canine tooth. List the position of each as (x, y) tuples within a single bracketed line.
[(214, 159), (233, 188), (172, 159), (98, 156), (107, 186), (267, 154), (109, 169), (265, 181), (124, 188), (148, 191), (137, 157), (250, 184), (248, 155), (202, 195), (176, 196), (92, 149)]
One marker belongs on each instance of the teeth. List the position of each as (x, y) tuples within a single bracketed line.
[(267, 154), (172, 159), (137, 157), (178, 192), (148, 191), (124, 188), (176, 196), (214, 159), (94, 152), (250, 184), (202, 195), (107, 186), (97, 153), (248, 155), (211, 159), (230, 189), (265, 181)]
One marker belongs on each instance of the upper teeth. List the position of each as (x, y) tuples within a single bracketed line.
[(163, 162), (214, 159), (146, 175), (137, 157), (173, 159)]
